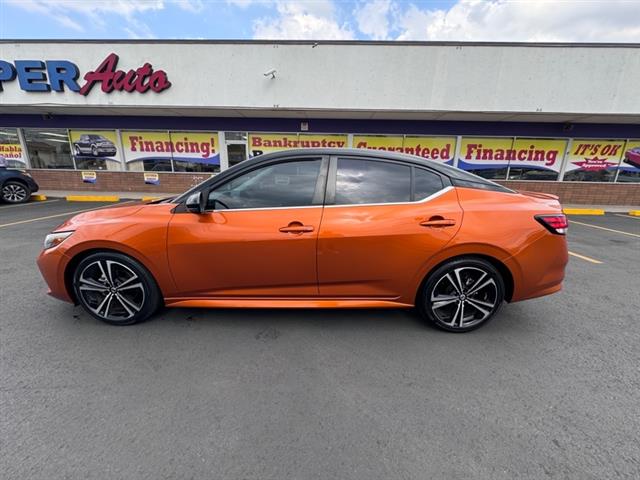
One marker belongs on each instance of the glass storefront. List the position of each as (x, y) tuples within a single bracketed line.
[(48, 147), (497, 158)]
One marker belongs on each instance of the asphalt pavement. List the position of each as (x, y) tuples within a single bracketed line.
[(548, 389)]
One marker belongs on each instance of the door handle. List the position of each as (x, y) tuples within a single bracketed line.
[(438, 222), (296, 227)]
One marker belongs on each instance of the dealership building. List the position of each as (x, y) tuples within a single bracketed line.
[(161, 116)]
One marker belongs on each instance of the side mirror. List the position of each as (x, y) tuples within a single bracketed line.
[(195, 202)]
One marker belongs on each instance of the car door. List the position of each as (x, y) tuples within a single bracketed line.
[(382, 221), (258, 236)]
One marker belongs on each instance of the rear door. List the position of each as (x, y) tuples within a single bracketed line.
[(382, 221)]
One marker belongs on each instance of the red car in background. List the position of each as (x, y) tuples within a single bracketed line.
[(632, 157)]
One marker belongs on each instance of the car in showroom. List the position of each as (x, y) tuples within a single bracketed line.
[(93, 145), (16, 186), (328, 228)]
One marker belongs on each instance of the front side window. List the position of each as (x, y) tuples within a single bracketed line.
[(370, 181), (286, 184)]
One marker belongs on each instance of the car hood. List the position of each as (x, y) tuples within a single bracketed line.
[(99, 215)]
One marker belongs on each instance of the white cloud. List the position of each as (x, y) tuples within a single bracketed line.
[(314, 20), (60, 10), (533, 21), (372, 19)]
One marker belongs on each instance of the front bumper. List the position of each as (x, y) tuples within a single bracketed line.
[(52, 264)]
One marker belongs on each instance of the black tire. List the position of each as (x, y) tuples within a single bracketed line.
[(14, 191), (116, 289), (94, 151), (78, 152), (461, 295)]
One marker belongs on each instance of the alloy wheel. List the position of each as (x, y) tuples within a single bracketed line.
[(464, 297), (111, 290), (14, 193)]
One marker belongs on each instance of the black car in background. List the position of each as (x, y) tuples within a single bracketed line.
[(94, 146), (15, 185)]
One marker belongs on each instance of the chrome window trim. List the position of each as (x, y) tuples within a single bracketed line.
[(416, 202)]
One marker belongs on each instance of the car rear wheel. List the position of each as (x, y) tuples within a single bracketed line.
[(94, 151), (116, 289), (462, 295), (15, 192)]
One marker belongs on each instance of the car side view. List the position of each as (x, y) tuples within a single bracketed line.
[(16, 186), (94, 145), (330, 228)]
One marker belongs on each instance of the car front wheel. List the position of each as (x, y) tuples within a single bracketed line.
[(15, 192), (116, 288), (462, 295)]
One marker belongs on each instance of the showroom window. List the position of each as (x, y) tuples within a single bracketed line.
[(287, 184), (10, 148), (371, 181), (593, 160), (163, 151), (95, 149), (629, 171), (48, 147)]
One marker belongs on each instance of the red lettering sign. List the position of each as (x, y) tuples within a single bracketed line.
[(139, 80)]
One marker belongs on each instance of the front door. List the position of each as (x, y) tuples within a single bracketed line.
[(258, 237)]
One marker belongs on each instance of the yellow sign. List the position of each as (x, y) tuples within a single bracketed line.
[(433, 148), (13, 154), (200, 147), (480, 152), (594, 155), (379, 142), (261, 143)]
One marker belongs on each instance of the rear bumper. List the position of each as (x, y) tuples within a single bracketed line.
[(540, 266), (52, 264)]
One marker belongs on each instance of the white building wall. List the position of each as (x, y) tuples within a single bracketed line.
[(590, 80)]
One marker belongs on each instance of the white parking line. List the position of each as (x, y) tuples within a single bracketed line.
[(30, 203), (626, 216), (65, 214), (604, 228), (582, 257)]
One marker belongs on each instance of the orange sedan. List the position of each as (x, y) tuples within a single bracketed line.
[(316, 228)]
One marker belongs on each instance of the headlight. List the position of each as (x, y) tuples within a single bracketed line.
[(55, 239)]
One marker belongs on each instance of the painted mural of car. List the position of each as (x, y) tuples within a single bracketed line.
[(94, 145), (632, 157)]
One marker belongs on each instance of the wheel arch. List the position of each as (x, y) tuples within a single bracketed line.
[(505, 272), (75, 260)]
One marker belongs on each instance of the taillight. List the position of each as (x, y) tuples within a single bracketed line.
[(557, 224)]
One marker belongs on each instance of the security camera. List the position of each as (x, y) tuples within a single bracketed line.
[(271, 73)]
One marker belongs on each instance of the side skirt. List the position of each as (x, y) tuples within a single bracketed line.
[(285, 303)]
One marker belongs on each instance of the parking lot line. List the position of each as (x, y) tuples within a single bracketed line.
[(582, 257), (60, 214), (605, 228), (30, 203), (624, 215)]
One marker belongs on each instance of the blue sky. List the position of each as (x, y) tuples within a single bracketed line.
[(475, 20)]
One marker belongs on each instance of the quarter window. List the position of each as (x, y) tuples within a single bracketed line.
[(287, 184), (368, 181), (425, 183)]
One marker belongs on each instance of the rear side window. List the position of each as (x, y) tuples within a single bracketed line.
[(425, 183), (368, 181)]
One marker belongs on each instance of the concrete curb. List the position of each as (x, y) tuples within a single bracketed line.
[(634, 213), (583, 211), (38, 198), (92, 198)]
